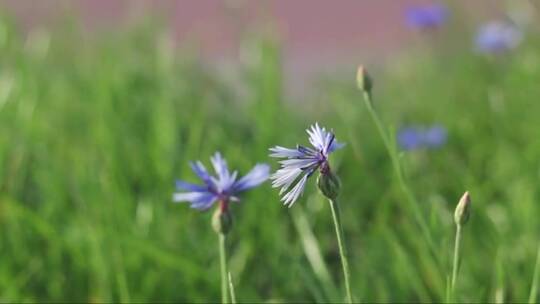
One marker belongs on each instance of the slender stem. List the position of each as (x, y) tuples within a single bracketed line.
[(231, 289), (399, 172), (447, 293), (536, 277), (382, 132), (456, 260), (223, 262), (343, 254)]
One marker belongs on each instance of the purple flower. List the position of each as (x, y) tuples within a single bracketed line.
[(496, 37), (223, 187), (300, 163), (435, 136), (413, 138), (410, 138), (426, 16)]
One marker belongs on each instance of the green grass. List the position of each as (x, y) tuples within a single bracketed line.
[(94, 130)]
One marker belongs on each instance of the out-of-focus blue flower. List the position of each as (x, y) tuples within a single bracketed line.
[(300, 163), (223, 187), (426, 16), (413, 138), (410, 138), (435, 136), (496, 37)]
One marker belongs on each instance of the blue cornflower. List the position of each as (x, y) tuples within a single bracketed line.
[(413, 138), (426, 16), (496, 37), (300, 163), (223, 188)]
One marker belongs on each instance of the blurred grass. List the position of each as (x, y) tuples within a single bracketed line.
[(94, 130)]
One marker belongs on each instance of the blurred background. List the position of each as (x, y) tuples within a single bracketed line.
[(315, 37), (104, 103)]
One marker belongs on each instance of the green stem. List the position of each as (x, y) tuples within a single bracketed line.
[(536, 277), (339, 233), (231, 289), (223, 262), (399, 172), (448, 287), (456, 260)]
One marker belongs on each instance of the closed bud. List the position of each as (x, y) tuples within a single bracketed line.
[(329, 184), (463, 210), (222, 220), (363, 80)]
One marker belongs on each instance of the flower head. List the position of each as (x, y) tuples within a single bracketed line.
[(223, 187), (496, 37), (426, 16), (300, 163)]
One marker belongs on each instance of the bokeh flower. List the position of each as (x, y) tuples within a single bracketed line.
[(224, 187), (435, 136), (300, 163), (413, 138), (409, 138), (497, 37), (426, 16)]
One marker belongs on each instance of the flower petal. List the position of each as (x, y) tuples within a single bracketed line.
[(298, 163), (220, 165), (198, 200), (182, 185), (226, 185), (256, 176), (291, 197), (316, 136), (204, 203), (308, 152), (281, 152), (202, 173), (284, 177), (324, 141), (335, 146), (225, 179), (328, 140)]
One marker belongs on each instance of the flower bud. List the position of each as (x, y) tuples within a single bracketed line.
[(463, 210), (329, 184), (363, 80), (222, 220)]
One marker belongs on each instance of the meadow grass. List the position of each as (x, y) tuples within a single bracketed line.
[(94, 131)]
